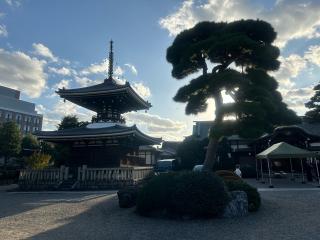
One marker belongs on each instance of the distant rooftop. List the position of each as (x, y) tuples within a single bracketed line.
[(8, 92), (10, 100)]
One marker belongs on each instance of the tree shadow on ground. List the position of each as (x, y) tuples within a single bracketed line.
[(275, 220)]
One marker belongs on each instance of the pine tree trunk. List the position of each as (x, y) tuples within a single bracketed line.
[(211, 154), (212, 149)]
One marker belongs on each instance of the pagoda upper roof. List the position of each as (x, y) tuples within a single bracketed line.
[(109, 90), (91, 132)]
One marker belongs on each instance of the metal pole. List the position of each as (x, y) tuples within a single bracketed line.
[(257, 172), (270, 183), (262, 180), (292, 178), (317, 172), (302, 171)]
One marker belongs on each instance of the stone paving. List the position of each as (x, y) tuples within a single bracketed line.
[(286, 213)]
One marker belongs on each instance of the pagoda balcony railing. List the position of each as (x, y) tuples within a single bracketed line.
[(120, 119)]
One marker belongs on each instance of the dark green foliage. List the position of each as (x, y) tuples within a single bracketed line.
[(191, 152), (313, 115), (61, 154), (10, 140), (254, 199), (194, 194), (70, 121), (258, 106), (30, 142), (227, 175)]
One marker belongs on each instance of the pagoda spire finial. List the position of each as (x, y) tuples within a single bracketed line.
[(110, 70)]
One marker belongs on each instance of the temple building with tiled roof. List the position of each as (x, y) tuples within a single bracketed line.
[(107, 141)]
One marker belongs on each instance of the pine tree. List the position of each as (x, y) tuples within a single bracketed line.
[(240, 54), (313, 115)]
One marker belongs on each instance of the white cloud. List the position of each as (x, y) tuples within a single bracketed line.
[(157, 126), (53, 115), (3, 31), (85, 81), (142, 90), (64, 83), (132, 68), (292, 19), (40, 108), (182, 19), (290, 68), (42, 50), (13, 3), (297, 97), (313, 54), (96, 68), (62, 71), (20, 71)]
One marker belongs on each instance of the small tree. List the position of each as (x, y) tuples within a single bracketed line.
[(313, 115), (38, 161), (10, 141), (30, 143), (71, 121)]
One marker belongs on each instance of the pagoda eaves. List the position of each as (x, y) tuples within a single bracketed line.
[(108, 93)]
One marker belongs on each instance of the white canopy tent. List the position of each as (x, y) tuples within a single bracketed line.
[(283, 150)]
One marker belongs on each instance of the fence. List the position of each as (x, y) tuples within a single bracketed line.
[(87, 178), (111, 177), (45, 178)]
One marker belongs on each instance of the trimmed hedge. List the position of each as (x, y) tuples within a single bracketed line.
[(194, 194), (254, 199), (227, 175)]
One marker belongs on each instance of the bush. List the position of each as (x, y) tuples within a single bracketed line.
[(38, 161), (194, 194), (227, 175), (252, 193)]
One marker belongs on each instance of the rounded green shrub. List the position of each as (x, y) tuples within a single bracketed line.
[(227, 175), (254, 199), (154, 194), (194, 194)]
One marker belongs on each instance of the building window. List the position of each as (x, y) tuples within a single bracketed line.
[(0, 113), (28, 128), (18, 117), (8, 116), (25, 118), (25, 128)]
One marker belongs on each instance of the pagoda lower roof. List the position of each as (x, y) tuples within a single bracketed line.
[(109, 90), (93, 132)]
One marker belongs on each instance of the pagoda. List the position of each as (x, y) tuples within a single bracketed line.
[(107, 141)]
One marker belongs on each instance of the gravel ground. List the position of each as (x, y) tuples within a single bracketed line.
[(288, 214)]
